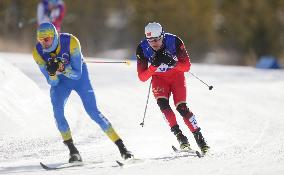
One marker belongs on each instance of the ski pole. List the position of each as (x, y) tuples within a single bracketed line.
[(142, 123), (95, 61), (209, 86)]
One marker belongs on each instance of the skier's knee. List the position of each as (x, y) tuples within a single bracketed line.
[(163, 103), (184, 111)]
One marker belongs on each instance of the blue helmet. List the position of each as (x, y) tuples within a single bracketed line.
[(45, 30)]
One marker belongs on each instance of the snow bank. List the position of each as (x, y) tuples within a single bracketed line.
[(22, 105)]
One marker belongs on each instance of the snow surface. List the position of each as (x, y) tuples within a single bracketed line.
[(242, 120)]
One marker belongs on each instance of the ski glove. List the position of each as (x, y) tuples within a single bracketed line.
[(156, 61), (166, 58), (54, 65)]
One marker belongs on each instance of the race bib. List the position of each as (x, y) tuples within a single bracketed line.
[(163, 68)]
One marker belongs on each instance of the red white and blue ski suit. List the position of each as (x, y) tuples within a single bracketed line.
[(51, 11), (167, 80)]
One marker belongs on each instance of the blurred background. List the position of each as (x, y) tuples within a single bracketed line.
[(231, 32)]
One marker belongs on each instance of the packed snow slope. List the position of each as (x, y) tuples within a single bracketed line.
[(242, 120)]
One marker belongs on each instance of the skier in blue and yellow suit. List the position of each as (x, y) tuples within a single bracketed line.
[(60, 60)]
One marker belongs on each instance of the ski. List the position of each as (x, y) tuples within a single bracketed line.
[(188, 151), (60, 166), (129, 161)]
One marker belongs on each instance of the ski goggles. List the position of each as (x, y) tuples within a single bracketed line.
[(42, 34), (154, 39), (45, 40)]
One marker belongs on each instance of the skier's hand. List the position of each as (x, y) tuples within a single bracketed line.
[(156, 61), (166, 58), (52, 66), (61, 67)]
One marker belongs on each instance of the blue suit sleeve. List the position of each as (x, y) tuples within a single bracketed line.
[(52, 80), (74, 69)]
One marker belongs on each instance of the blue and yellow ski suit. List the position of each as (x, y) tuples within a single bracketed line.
[(75, 77)]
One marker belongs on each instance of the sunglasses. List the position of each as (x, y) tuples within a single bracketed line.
[(154, 39)]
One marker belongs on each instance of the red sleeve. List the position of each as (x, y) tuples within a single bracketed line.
[(58, 20), (62, 12), (183, 63), (144, 72)]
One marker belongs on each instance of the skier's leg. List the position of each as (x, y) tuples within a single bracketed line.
[(87, 95), (165, 108), (188, 117), (171, 118), (190, 121), (89, 102), (179, 95), (59, 95), (161, 91)]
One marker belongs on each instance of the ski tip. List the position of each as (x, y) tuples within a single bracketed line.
[(41, 164), (44, 166), (119, 163)]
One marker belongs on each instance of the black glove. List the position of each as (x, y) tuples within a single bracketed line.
[(156, 61), (166, 58), (52, 66)]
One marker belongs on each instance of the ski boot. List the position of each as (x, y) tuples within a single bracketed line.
[(183, 142), (125, 154), (75, 156), (201, 141)]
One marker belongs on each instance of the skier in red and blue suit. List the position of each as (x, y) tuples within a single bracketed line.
[(163, 57), (51, 11), (60, 60)]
